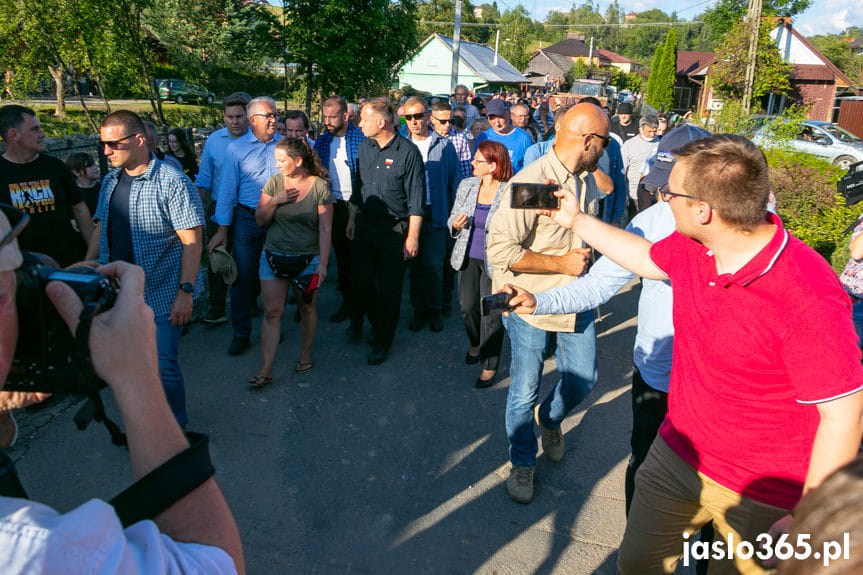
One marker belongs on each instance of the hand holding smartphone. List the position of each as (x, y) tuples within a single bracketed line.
[(533, 196)]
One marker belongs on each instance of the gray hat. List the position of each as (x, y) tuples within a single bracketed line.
[(221, 263)]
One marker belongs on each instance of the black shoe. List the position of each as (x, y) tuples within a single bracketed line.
[(480, 383), (214, 318), (417, 321), (355, 333), (297, 315), (378, 355), (435, 322), (471, 359), (238, 345), (340, 316)]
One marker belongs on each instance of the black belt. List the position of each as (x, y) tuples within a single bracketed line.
[(247, 208)]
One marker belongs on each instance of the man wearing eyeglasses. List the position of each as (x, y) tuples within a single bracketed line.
[(764, 401), (196, 532), (42, 187), (526, 249), (151, 215), (522, 118), (249, 163), (338, 148), (515, 140), (442, 175)]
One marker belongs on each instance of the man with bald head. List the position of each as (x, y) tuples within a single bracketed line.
[(527, 250)]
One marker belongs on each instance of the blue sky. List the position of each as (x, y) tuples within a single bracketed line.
[(822, 17)]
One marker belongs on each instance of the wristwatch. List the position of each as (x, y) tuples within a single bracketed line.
[(187, 287)]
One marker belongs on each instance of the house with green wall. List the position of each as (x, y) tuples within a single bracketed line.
[(429, 69)]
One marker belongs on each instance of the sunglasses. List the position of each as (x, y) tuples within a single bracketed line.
[(415, 116), (666, 195), (605, 139), (442, 120), (114, 144), (18, 220)]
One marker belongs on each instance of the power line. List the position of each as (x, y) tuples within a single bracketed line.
[(634, 24)]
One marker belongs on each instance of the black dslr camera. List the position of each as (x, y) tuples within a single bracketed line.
[(48, 358)]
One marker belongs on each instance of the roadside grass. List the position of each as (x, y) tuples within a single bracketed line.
[(75, 122)]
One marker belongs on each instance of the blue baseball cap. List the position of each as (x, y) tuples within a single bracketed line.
[(662, 161)]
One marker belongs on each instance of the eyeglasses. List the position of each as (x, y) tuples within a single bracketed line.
[(666, 195), (114, 144), (481, 161), (442, 120), (605, 139), (18, 220), (415, 116), (267, 116)]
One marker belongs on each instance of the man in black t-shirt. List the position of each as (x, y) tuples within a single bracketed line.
[(43, 187)]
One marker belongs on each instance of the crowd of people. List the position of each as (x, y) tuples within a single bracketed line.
[(742, 401)]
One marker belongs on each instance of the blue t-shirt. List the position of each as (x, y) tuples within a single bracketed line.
[(120, 230), (516, 142)]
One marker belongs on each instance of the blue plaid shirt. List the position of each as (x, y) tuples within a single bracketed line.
[(462, 150), (353, 138), (161, 201)]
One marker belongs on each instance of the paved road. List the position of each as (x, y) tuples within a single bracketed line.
[(391, 469)]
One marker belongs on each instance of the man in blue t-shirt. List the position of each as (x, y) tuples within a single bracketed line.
[(516, 140)]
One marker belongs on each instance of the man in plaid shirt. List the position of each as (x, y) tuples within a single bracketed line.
[(150, 215), (338, 148)]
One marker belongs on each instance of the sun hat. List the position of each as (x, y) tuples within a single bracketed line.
[(223, 264)]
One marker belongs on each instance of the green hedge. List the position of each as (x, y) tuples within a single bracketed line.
[(75, 122)]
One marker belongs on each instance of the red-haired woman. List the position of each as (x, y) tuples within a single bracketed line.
[(476, 201)]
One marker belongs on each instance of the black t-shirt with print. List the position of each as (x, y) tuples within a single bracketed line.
[(45, 189)]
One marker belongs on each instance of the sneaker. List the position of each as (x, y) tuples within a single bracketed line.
[(552, 439), (214, 318), (520, 484)]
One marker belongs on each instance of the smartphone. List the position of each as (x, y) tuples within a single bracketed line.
[(527, 196), (496, 301)]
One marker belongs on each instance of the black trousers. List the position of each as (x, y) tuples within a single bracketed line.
[(342, 248), (377, 255), (484, 331), (649, 407)]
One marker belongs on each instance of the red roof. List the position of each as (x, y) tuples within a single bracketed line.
[(616, 58), (573, 48), (812, 72), (691, 62)]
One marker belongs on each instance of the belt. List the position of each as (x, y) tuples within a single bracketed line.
[(247, 208)]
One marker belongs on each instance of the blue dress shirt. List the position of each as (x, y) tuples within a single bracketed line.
[(248, 165), (212, 160)]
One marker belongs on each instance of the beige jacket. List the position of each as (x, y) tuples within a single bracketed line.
[(513, 232)]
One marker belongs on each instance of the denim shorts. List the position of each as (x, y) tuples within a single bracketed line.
[(265, 271)]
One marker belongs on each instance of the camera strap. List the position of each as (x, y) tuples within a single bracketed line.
[(166, 484)]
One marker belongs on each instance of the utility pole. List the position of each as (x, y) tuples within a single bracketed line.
[(456, 40), (753, 14)]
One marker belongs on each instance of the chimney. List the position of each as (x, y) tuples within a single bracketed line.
[(574, 36)]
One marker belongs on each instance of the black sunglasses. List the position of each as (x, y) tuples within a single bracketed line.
[(442, 120), (415, 116), (18, 220), (114, 144), (605, 139)]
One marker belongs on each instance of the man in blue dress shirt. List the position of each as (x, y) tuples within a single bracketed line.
[(249, 163)]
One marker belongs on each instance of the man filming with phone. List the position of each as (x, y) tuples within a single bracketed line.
[(196, 534), (532, 251)]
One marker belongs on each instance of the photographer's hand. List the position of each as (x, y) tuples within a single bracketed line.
[(523, 302), (123, 352)]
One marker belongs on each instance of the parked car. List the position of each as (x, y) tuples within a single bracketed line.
[(181, 91), (823, 139)]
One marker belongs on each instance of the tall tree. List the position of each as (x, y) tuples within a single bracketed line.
[(664, 87), (517, 30), (444, 11), (772, 74), (350, 48), (655, 67), (724, 15)]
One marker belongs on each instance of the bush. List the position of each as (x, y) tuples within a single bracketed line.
[(807, 202), (75, 122)]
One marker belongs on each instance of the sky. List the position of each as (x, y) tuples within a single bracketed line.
[(822, 16)]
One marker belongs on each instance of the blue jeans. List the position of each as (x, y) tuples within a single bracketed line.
[(248, 243), (576, 362), (857, 315), (167, 342)]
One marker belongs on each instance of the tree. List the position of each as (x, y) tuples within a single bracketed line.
[(578, 71), (517, 30), (724, 15), (837, 49), (664, 87), (350, 48), (444, 11), (771, 72), (654, 72)]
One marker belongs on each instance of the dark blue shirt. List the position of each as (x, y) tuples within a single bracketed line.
[(120, 230)]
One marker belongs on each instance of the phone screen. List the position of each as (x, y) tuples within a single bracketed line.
[(529, 196)]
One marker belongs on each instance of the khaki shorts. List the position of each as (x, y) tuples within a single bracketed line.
[(671, 498)]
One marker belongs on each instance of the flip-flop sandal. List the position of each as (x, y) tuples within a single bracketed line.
[(303, 367), (260, 381)]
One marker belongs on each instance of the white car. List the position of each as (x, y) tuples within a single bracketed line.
[(836, 145)]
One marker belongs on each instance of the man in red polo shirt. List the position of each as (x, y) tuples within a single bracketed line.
[(765, 394)]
